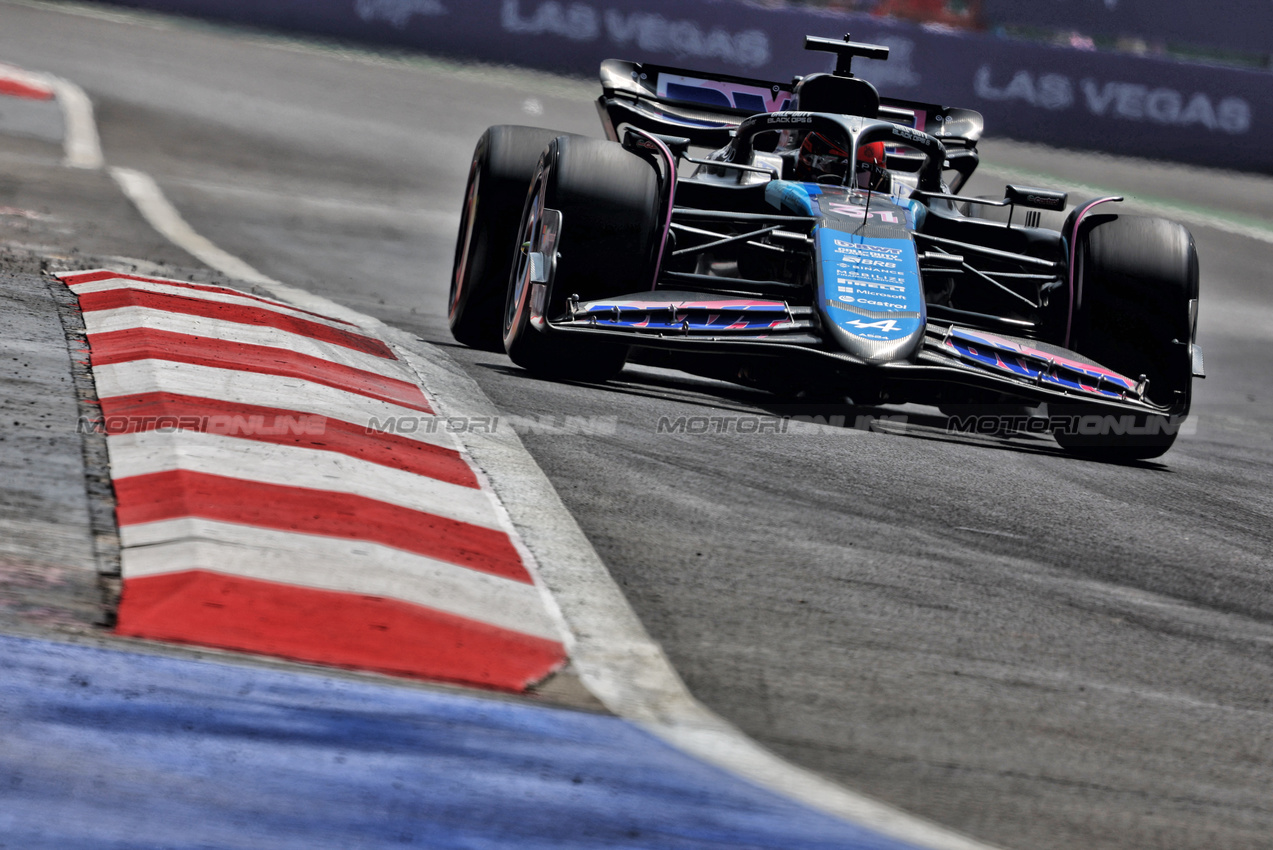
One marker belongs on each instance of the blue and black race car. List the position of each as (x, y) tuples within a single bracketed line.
[(810, 237)]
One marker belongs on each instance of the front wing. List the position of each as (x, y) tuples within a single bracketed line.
[(949, 358)]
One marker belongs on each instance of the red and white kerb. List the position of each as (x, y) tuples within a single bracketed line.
[(15, 82), (258, 511)]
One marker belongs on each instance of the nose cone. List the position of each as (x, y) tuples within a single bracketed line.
[(870, 295)]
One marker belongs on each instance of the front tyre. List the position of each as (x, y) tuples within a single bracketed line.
[(503, 166), (587, 231), (1136, 313)]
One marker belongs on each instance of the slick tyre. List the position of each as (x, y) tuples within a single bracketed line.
[(608, 201), (1136, 313), (503, 165)]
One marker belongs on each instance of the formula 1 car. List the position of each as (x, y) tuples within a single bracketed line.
[(810, 237)]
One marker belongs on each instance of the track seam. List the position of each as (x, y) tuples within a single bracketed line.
[(103, 522)]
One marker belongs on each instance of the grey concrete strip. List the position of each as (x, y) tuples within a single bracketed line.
[(48, 562), (97, 478)]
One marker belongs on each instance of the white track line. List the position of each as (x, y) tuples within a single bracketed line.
[(615, 657), (80, 142), (141, 189)]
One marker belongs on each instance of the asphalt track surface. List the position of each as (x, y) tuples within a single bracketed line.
[(1037, 651)]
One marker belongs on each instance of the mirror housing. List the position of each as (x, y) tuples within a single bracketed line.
[(1039, 199), (678, 145)]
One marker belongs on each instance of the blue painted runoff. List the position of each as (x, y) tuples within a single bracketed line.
[(108, 749)]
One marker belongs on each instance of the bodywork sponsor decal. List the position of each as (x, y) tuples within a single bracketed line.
[(729, 94), (870, 294), (864, 278), (1037, 366)]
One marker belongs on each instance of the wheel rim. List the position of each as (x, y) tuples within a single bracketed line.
[(527, 241), (464, 245)]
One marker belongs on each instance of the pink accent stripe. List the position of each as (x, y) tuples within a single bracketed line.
[(207, 608), (146, 343), (181, 493), (995, 342), (129, 414), (1074, 242), (115, 299), (672, 177), (74, 279)]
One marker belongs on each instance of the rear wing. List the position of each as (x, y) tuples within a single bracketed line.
[(677, 102), (707, 109)]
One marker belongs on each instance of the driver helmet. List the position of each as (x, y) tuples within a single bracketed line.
[(823, 161)]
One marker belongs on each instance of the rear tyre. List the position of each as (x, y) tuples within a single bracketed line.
[(503, 165), (608, 200), (1136, 313)]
